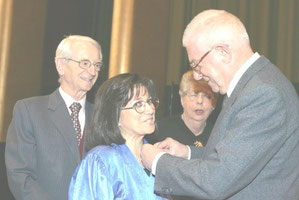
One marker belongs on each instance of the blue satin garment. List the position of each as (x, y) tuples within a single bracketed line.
[(111, 172)]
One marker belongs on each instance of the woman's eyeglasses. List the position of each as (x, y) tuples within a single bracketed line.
[(139, 106)]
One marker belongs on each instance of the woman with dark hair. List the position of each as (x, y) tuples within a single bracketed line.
[(124, 113)]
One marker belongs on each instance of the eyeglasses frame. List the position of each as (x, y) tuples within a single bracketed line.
[(156, 100), (91, 63), (195, 96), (195, 63)]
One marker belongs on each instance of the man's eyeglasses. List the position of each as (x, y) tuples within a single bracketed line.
[(139, 106), (195, 63), (85, 64)]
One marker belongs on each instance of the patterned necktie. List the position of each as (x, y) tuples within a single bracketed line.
[(75, 108)]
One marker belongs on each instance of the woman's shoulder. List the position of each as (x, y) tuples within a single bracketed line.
[(102, 159), (105, 152), (100, 151)]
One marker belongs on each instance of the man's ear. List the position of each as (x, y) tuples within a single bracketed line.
[(59, 66), (225, 53)]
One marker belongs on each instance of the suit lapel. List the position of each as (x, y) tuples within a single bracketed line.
[(88, 112), (228, 102), (88, 115), (61, 119)]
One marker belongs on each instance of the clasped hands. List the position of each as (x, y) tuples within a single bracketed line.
[(169, 145)]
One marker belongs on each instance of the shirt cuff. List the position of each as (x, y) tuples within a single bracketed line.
[(189, 154), (155, 162)]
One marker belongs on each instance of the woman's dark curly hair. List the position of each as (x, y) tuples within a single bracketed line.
[(114, 94)]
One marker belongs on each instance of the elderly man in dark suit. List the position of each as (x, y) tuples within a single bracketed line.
[(45, 136), (252, 152)]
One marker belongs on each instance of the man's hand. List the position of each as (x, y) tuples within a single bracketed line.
[(148, 154), (174, 148), (169, 145)]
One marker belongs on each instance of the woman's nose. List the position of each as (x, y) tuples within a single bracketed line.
[(199, 99)]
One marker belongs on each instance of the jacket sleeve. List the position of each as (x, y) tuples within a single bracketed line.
[(20, 157), (256, 130)]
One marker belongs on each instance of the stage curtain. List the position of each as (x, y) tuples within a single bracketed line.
[(272, 26)]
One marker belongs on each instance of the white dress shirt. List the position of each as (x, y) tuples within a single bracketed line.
[(240, 73)]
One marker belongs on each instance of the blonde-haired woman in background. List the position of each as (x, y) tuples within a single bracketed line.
[(191, 127)]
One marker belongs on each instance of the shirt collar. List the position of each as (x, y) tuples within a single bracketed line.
[(240, 73), (69, 100)]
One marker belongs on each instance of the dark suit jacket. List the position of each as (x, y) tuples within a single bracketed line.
[(253, 150), (41, 151)]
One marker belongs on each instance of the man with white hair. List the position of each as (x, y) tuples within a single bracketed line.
[(252, 152), (45, 137)]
